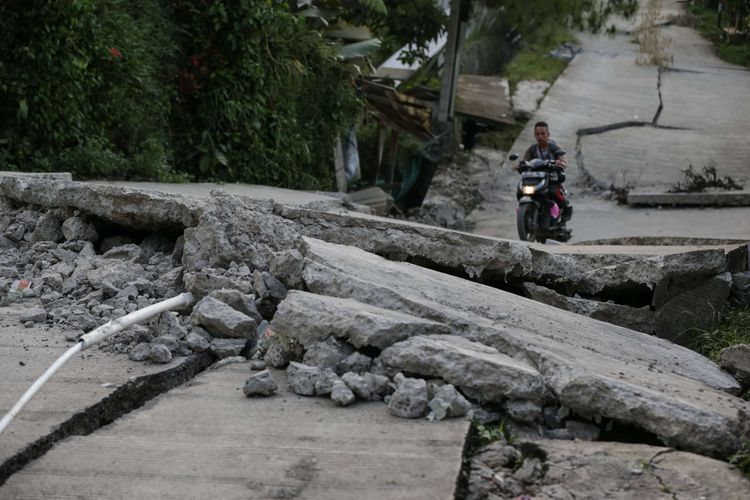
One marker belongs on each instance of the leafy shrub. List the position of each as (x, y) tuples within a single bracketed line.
[(170, 89), (260, 97), (81, 86)]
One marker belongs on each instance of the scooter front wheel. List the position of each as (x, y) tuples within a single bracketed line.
[(526, 221)]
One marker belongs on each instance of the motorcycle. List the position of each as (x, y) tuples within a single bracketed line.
[(538, 216)]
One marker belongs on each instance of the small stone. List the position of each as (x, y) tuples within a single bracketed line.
[(257, 364), (34, 315), (380, 385), (167, 340), (302, 378), (355, 362), (223, 321), (196, 342), (260, 384), (341, 394), (358, 385), (73, 335), (410, 398), (75, 228), (324, 384), (160, 354), (129, 251), (448, 402), (327, 354), (140, 352)]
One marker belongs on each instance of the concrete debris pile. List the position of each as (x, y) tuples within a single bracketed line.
[(584, 469), (353, 308)]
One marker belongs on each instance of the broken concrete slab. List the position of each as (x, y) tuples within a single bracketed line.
[(736, 360), (693, 309), (591, 367), (136, 208), (703, 199), (621, 269), (91, 390), (586, 470), (480, 371), (264, 232), (282, 446), (635, 318), (309, 318), (222, 320), (59, 176), (410, 241)]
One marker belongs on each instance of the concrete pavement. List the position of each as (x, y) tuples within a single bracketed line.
[(284, 446), (604, 111), (91, 389)]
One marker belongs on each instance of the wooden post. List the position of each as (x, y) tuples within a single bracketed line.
[(392, 153)]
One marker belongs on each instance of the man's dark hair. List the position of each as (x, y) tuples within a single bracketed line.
[(541, 124)]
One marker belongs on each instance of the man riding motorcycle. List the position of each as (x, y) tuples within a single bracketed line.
[(547, 149)]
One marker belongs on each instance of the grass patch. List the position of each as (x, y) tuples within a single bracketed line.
[(734, 328), (533, 61), (696, 182), (741, 460), (705, 21)]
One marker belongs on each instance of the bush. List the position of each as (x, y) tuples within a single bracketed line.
[(260, 97), (81, 86), (233, 91)]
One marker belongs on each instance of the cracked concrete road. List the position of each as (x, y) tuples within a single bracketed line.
[(624, 123), (284, 446), (92, 387)]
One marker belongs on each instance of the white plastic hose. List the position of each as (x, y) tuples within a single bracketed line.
[(94, 336)]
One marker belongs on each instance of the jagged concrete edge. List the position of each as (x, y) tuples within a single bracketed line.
[(138, 208)]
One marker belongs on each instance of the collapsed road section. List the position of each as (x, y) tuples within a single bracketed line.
[(363, 309)]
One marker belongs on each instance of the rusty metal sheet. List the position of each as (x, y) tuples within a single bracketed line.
[(485, 98)]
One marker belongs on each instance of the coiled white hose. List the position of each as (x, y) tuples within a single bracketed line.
[(94, 336)]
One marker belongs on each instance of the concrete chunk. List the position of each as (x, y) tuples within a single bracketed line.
[(310, 318), (223, 321), (479, 370)]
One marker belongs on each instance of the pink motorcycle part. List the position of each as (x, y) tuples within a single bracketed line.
[(554, 211)]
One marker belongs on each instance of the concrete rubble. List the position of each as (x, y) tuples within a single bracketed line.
[(356, 309), (559, 469)]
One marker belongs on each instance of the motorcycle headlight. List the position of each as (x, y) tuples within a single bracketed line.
[(528, 189)]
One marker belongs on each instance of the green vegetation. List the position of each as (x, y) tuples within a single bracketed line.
[(735, 48), (734, 328), (543, 26), (159, 89), (486, 434), (533, 61), (741, 460)]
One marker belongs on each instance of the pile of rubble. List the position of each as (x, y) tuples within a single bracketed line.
[(353, 308)]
